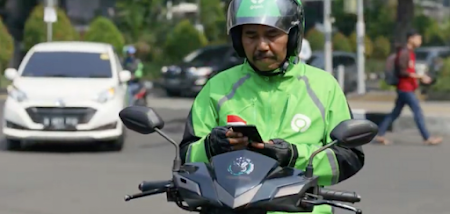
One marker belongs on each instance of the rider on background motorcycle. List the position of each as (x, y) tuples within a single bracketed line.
[(135, 66), (294, 106)]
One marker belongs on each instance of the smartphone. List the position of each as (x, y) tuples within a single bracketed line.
[(249, 131)]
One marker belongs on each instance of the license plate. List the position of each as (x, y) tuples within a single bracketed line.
[(60, 122)]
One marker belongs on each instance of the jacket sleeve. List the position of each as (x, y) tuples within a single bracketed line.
[(201, 120), (139, 72), (335, 164)]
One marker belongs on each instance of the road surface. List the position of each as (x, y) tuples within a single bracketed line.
[(405, 178)]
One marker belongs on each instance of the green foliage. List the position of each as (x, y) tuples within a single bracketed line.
[(138, 18), (7, 46), (367, 44), (316, 39), (104, 30), (182, 40), (443, 80), (380, 20), (382, 47), (214, 20), (35, 30), (344, 22), (341, 43), (434, 35)]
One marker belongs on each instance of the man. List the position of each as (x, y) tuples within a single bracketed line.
[(135, 66), (294, 106), (406, 87), (305, 52)]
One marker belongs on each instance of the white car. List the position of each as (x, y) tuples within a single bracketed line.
[(66, 91)]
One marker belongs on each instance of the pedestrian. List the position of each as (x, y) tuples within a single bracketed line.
[(406, 87)]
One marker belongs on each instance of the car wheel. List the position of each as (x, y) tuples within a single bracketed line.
[(13, 145)]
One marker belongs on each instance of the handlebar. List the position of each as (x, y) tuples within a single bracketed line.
[(334, 195), (157, 187), (151, 185)]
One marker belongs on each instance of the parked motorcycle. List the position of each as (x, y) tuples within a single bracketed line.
[(243, 181)]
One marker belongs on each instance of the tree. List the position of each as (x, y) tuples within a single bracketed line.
[(382, 48), (182, 40), (405, 16), (341, 43), (7, 46), (35, 30), (104, 30), (214, 20), (137, 17), (316, 39)]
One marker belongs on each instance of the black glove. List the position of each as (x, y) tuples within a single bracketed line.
[(217, 142), (281, 151)]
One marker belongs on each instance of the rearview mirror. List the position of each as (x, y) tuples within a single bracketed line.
[(10, 73), (124, 76), (141, 119), (353, 133)]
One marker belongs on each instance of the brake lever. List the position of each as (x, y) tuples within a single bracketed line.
[(143, 194), (331, 203)]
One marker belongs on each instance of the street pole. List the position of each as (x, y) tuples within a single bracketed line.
[(360, 31), (50, 3), (328, 35), (198, 20), (169, 10)]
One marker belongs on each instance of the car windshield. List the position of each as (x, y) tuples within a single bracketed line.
[(315, 61), (207, 56), (422, 55), (68, 64)]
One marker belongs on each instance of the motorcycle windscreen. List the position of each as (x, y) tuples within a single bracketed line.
[(239, 171)]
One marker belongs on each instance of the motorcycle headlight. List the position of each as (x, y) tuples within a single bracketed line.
[(106, 95), (16, 94), (202, 71)]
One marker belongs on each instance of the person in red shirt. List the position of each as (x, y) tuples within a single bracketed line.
[(408, 83)]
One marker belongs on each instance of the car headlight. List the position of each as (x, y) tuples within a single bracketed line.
[(16, 94), (202, 71), (106, 95), (164, 69)]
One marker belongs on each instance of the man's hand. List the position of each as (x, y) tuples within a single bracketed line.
[(277, 149), (222, 139), (426, 79)]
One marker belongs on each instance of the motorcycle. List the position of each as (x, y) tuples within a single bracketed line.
[(244, 181), (140, 98)]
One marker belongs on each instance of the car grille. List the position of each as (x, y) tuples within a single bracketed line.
[(84, 115), (174, 72)]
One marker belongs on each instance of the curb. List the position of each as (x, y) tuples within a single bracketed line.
[(436, 124)]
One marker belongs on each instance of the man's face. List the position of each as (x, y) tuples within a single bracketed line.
[(264, 46), (416, 40)]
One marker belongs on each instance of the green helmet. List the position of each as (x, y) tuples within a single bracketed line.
[(285, 15)]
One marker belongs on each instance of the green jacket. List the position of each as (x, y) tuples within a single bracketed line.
[(301, 107)]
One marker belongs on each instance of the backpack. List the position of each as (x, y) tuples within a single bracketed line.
[(390, 72)]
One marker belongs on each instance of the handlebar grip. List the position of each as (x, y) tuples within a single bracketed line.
[(151, 185), (342, 196)]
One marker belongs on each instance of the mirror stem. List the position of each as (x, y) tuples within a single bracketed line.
[(177, 161), (309, 168)]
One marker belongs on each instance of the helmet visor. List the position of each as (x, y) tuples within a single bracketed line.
[(281, 14)]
